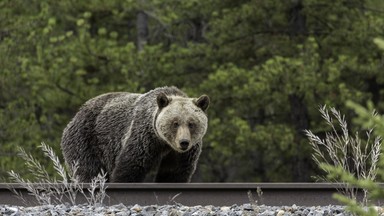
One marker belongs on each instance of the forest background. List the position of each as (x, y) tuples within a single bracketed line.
[(266, 65)]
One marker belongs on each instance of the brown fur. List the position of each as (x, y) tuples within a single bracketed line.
[(128, 134)]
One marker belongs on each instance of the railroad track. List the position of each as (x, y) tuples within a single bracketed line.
[(192, 194)]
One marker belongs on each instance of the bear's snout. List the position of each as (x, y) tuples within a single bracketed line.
[(184, 143), (183, 138)]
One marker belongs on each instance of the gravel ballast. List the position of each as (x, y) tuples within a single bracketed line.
[(173, 210)]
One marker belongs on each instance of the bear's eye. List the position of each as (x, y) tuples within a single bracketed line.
[(191, 125), (175, 124)]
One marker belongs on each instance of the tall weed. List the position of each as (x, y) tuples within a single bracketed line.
[(346, 152), (67, 188)]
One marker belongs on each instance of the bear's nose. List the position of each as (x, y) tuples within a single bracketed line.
[(184, 143)]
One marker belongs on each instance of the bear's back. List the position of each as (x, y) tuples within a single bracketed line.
[(116, 115)]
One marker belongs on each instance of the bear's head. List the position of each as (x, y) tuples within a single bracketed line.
[(181, 122)]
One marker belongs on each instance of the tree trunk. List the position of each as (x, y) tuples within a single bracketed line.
[(297, 19), (300, 120), (142, 29)]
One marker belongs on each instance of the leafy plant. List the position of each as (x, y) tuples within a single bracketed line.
[(48, 190)]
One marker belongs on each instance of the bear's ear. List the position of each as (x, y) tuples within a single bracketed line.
[(203, 102), (162, 100)]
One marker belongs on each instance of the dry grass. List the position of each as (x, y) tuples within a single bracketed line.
[(339, 148), (67, 188)]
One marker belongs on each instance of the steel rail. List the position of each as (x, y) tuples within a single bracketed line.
[(192, 194)]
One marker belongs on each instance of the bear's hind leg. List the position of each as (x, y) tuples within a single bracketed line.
[(87, 165), (90, 169)]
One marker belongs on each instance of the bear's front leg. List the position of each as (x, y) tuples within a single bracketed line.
[(132, 165), (179, 167), (129, 172)]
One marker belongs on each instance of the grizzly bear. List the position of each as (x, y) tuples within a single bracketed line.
[(127, 135)]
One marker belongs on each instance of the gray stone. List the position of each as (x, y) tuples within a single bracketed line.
[(173, 210)]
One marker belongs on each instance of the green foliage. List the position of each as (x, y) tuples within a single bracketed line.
[(353, 205), (265, 64)]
